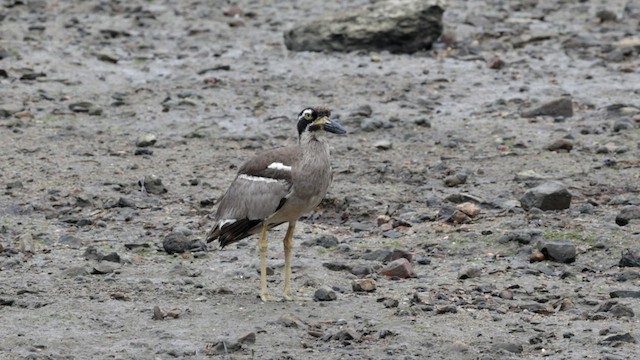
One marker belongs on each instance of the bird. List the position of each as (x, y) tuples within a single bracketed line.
[(275, 187)]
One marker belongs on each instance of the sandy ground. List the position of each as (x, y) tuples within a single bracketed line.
[(83, 82)]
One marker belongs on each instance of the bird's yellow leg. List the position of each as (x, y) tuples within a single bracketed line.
[(262, 245), (288, 245)]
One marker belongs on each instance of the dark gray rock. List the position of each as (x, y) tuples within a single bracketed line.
[(521, 236), (629, 259), (153, 185), (626, 337), (621, 310), (509, 347), (400, 26), (326, 241), (559, 107), (558, 250), (627, 214), (177, 243), (551, 195), (325, 293), (625, 294)]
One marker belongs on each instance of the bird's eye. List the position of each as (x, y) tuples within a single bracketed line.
[(308, 114)]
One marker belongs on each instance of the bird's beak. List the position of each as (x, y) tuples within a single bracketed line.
[(329, 125)]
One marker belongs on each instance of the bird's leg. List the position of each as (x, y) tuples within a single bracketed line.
[(262, 245), (288, 245)]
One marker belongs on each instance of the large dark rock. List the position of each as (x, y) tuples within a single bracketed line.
[(558, 250), (551, 195), (399, 26), (627, 214), (559, 107)]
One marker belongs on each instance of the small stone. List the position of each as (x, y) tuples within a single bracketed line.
[(103, 268), (626, 337), (606, 15), (455, 180), (627, 214), (400, 268), (529, 175), (496, 63), (146, 140), (560, 145), (629, 259), (536, 256), (383, 145), (112, 257), (173, 313), (142, 151), (178, 243), (153, 185), (559, 107), (470, 272), (509, 347), (367, 285), (70, 241), (521, 236), (15, 185), (383, 219), (551, 195), (447, 309), (390, 303), (506, 294), (157, 313), (324, 293), (292, 321), (26, 243), (557, 250), (621, 310), (249, 338), (327, 241), (470, 209)]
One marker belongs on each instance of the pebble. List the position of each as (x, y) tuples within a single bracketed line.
[(70, 241), (626, 337), (153, 185), (470, 209), (470, 272), (621, 310), (560, 145), (324, 293), (103, 268), (562, 106), (551, 195), (558, 250), (527, 236), (26, 243), (178, 243), (157, 313), (383, 145), (509, 347), (400, 268), (455, 180), (529, 175), (367, 285), (496, 63), (629, 259), (291, 321), (146, 140), (627, 214), (249, 338), (326, 241)]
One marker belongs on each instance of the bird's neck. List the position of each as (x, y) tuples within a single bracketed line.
[(312, 144)]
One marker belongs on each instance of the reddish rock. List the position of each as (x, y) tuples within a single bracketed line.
[(398, 268), (367, 285)]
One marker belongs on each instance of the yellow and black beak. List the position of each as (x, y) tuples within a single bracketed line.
[(329, 125)]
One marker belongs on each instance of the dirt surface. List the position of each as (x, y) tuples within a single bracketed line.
[(84, 81)]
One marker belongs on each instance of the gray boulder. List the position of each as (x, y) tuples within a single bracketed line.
[(551, 195), (399, 26)]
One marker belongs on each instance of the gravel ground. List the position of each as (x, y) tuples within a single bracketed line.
[(101, 100)]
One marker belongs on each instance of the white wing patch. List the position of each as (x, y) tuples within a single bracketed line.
[(257, 178), (279, 166), (224, 222)]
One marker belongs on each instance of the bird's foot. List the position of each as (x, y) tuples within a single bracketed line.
[(288, 297), (266, 297)]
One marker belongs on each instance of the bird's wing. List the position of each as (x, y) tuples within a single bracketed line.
[(259, 190)]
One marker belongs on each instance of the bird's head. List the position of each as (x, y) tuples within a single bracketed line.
[(317, 119)]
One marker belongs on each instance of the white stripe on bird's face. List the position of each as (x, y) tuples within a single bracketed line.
[(257, 178), (279, 166)]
